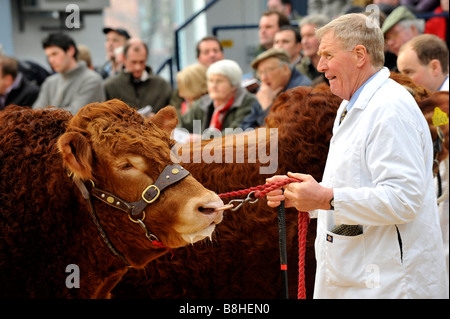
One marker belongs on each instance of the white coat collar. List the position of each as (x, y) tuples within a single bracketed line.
[(371, 87), (366, 94)]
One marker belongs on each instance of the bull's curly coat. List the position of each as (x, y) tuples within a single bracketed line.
[(44, 222), (243, 260)]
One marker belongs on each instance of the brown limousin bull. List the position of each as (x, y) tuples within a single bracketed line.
[(48, 232)]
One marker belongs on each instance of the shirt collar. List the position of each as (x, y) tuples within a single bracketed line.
[(358, 92), (444, 85)]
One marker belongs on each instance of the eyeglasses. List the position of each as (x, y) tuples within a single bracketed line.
[(268, 70)]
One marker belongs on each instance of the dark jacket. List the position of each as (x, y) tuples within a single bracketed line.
[(203, 109), (155, 91), (23, 95), (258, 115)]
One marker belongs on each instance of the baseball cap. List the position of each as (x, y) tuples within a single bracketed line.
[(271, 53), (399, 14), (118, 30)]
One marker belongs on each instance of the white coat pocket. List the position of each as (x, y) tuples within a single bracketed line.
[(345, 260)]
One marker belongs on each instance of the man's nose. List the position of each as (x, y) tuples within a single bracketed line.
[(321, 66)]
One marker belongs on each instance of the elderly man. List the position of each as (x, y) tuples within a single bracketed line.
[(277, 75), (378, 234), (310, 45), (399, 27), (136, 85)]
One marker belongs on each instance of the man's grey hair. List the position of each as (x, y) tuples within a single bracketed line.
[(357, 29)]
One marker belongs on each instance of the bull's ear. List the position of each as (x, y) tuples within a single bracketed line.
[(166, 119), (77, 154)]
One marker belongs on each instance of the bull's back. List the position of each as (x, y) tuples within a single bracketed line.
[(28, 161)]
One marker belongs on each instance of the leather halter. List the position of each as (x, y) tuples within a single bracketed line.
[(170, 175)]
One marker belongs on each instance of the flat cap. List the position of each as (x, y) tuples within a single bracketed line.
[(118, 30), (271, 53), (399, 14)]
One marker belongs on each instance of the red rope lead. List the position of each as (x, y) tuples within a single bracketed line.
[(303, 221), (261, 190)]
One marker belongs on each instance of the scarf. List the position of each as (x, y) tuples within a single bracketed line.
[(219, 115)]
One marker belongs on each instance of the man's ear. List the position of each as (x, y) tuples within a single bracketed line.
[(166, 119), (435, 66), (71, 51), (361, 55), (77, 154)]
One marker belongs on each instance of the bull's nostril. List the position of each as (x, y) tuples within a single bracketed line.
[(206, 211)]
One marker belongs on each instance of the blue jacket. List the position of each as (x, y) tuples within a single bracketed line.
[(257, 116)]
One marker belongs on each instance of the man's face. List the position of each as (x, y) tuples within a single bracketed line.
[(59, 59), (113, 41), (339, 67), (268, 26), (135, 62), (286, 40), (5, 82), (310, 44), (279, 6), (273, 73), (409, 64), (209, 52), (396, 36)]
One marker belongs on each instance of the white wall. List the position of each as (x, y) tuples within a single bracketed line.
[(238, 12), (28, 41)]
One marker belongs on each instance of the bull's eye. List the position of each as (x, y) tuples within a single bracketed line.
[(126, 166)]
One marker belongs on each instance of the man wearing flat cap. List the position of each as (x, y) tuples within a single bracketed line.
[(276, 74), (115, 39), (400, 26)]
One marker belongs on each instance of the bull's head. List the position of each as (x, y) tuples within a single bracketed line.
[(122, 153)]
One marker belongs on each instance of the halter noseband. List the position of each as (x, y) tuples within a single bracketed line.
[(170, 175)]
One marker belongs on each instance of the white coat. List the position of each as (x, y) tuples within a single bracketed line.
[(380, 168)]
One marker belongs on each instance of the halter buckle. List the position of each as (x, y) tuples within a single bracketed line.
[(158, 192)]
